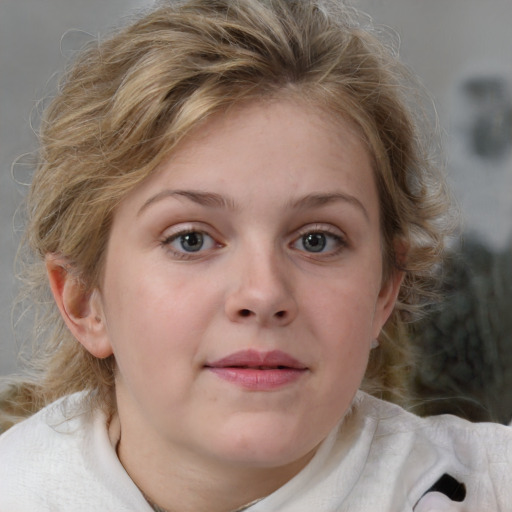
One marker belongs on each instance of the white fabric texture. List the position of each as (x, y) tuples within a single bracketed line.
[(379, 459), (437, 502)]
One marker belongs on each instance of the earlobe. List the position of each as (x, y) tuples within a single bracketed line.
[(81, 309)]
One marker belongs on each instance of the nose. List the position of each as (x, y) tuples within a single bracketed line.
[(262, 290)]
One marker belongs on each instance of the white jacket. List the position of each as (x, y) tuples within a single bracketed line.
[(380, 458)]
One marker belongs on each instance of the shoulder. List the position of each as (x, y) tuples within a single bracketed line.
[(61, 458), (422, 450), (65, 421), (36, 452), (472, 442)]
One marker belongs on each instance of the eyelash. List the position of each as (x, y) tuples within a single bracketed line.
[(329, 234), (186, 255), (338, 238)]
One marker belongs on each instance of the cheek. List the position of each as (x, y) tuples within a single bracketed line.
[(154, 318), (346, 307), (342, 320), (133, 304)]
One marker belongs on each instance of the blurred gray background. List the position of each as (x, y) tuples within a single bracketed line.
[(461, 49)]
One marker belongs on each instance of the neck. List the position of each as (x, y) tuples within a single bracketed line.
[(157, 508), (189, 485)]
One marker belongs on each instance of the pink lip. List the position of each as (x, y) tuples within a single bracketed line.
[(258, 371)]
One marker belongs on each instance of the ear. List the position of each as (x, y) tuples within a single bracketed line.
[(390, 288), (386, 301), (81, 310)]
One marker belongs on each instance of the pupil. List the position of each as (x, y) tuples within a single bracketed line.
[(314, 242), (192, 242)]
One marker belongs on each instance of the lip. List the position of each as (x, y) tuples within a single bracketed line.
[(258, 371)]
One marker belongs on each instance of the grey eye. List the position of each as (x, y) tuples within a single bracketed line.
[(191, 242), (319, 241), (314, 242)]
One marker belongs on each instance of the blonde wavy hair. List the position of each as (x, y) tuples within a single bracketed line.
[(128, 100)]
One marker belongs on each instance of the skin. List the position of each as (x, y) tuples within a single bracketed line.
[(266, 185)]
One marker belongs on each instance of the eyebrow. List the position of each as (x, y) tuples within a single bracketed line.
[(214, 200), (317, 200), (209, 199)]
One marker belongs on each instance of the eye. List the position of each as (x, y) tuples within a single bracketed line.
[(314, 242), (319, 242), (190, 241)]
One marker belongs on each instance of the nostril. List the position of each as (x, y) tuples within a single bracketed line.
[(246, 313)]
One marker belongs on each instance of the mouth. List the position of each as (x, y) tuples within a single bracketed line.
[(258, 371)]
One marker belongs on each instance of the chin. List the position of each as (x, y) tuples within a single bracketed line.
[(268, 444)]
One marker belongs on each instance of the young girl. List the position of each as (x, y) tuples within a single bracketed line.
[(235, 215)]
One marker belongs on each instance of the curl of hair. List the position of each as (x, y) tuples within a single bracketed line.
[(127, 102)]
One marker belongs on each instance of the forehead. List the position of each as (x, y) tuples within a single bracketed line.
[(279, 147)]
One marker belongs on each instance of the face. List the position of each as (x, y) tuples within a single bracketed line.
[(243, 287)]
